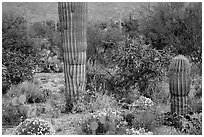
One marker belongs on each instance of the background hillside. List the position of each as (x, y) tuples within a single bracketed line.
[(98, 11)]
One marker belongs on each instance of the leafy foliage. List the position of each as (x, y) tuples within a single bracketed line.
[(102, 39), (47, 42), (195, 104), (18, 54), (172, 26), (138, 65), (197, 84), (104, 121), (131, 27), (92, 101), (15, 110), (10, 113), (188, 124)]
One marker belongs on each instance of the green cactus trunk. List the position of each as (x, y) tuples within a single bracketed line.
[(73, 27), (179, 81)]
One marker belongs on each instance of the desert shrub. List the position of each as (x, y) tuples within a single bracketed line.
[(161, 92), (131, 27), (195, 104), (143, 103), (139, 65), (100, 122), (35, 95), (18, 55), (10, 113), (146, 119), (92, 101), (140, 103), (197, 85), (49, 61), (84, 103), (99, 77), (53, 107), (195, 95), (166, 130), (14, 110), (32, 91), (142, 113), (95, 80), (104, 110), (101, 41), (187, 124), (196, 120), (34, 126), (11, 116), (107, 121), (5, 80), (47, 40), (171, 25)]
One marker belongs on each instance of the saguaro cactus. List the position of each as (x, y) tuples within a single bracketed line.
[(73, 26), (179, 81)]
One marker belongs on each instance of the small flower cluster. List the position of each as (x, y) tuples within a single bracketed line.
[(108, 112), (144, 102), (34, 126), (140, 131)]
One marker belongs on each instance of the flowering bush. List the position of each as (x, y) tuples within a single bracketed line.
[(142, 113), (108, 121), (92, 101), (108, 118), (34, 126), (140, 131), (105, 121), (143, 102)]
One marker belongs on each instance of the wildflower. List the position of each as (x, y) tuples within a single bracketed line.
[(34, 126)]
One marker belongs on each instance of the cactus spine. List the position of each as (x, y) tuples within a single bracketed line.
[(73, 27), (179, 84)]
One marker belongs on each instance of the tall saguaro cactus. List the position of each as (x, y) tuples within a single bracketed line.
[(179, 80), (73, 26)]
